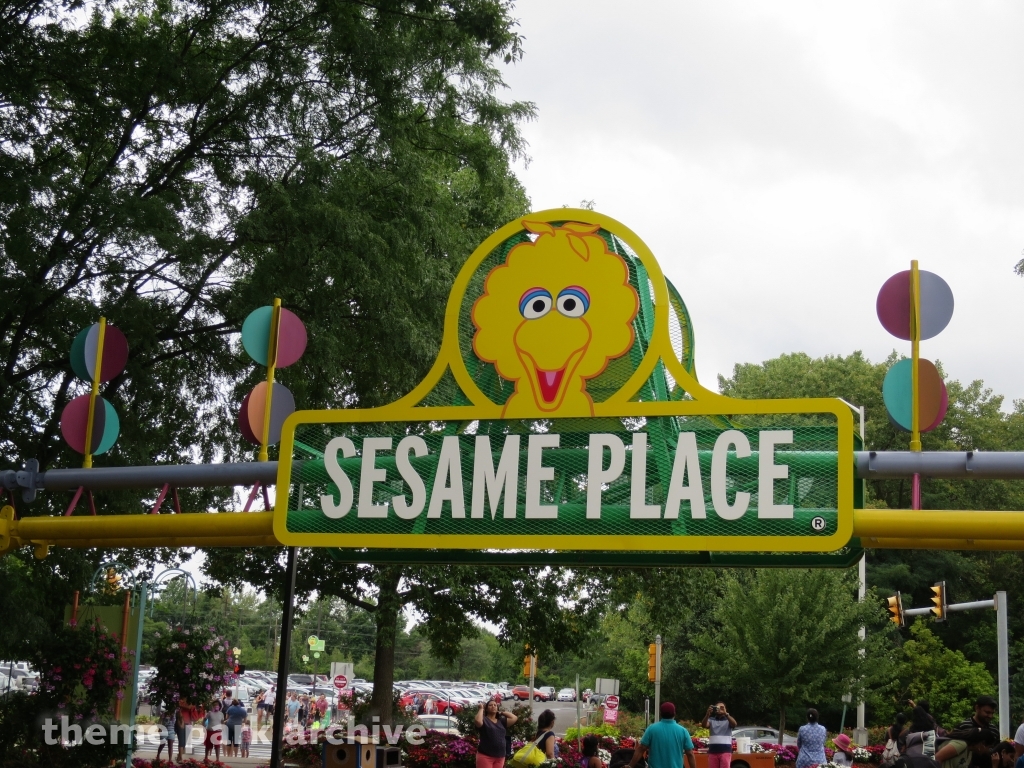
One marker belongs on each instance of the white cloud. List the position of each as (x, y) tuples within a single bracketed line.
[(783, 159)]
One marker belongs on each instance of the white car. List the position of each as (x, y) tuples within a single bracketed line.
[(567, 694), (442, 723)]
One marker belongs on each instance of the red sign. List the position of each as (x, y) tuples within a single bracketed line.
[(611, 715), (612, 702), (341, 682)]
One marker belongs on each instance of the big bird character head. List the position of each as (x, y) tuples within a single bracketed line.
[(552, 316)]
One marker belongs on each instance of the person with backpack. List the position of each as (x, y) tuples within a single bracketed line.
[(891, 752)]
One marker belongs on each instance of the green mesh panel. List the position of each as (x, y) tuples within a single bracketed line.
[(810, 486)]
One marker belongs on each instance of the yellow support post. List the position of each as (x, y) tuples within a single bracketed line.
[(94, 393), (915, 353), (275, 328)]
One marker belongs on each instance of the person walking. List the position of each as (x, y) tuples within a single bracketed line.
[(233, 721), (810, 741), (720, 723), (168, 724), (258, 703), (665, 742), (492, 724), (187, 715), (214, 731), (246, 738), (293, 707)]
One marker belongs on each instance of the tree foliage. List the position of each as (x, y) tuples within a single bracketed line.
[(783, 637), (173, 165)]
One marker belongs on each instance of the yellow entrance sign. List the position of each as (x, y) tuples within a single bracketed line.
[(563, 412)]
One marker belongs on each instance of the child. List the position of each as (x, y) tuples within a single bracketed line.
[(246, 738), (168, 721)]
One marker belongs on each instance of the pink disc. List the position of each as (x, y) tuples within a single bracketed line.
[(243, 422), (291, 339)]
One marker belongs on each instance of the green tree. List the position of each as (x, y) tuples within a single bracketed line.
[(173, 165), (783, 637), (550, 608), (930, 671), (976, 420)]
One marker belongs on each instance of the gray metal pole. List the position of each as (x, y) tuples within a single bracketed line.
[(870, 465), (657, 675), (1003, 650)]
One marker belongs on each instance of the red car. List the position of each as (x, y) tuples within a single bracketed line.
[(430, 702), (522, 693)]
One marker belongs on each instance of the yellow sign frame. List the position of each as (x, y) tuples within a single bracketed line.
[(619, 405)]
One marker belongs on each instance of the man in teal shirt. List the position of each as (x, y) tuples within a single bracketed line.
[(665, 742)]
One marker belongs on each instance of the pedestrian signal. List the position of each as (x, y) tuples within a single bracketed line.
[(652, 662), (939, 601), (896, 610), (239, 669)]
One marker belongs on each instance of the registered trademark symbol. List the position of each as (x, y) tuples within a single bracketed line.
[(818, 523)]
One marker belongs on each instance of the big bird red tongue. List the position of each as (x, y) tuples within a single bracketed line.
[(549, 383)]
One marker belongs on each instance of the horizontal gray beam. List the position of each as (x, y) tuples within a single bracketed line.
[(175, 475), (870, 465), (882, 465), (971, 606)]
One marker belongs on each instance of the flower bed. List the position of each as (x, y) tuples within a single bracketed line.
[(189, 762)]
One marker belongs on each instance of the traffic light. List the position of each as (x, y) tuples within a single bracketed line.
[(239, 669), (529, 663), (896, 609), (939, 600), (652, 662)]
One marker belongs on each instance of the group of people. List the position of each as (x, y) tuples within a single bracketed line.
[(225, 723), (495, 746), (916, 741), (304, 711)]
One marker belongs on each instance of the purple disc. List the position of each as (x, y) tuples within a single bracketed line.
[(893, 305)]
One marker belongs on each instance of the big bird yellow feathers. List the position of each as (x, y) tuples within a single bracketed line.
[(552, 316)]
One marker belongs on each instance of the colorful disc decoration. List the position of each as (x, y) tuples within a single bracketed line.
[(893, 305), (250, 417), (291, 338), (269, 401), (932, 401), (105, 425), (84, 348)]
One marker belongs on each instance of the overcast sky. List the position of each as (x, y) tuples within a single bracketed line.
[(783, 159)]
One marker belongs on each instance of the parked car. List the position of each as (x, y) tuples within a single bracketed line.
[(548, 691), (442, 723), (567, 694), (428, 699), (596, 699), (522, 693), (761, 733)]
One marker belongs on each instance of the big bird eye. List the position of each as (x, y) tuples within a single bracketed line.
[(535, 303), (573, 301)]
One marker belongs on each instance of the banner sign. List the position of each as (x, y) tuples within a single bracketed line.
[(564, 413)]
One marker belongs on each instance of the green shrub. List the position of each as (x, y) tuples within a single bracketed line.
[(603, 730)]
